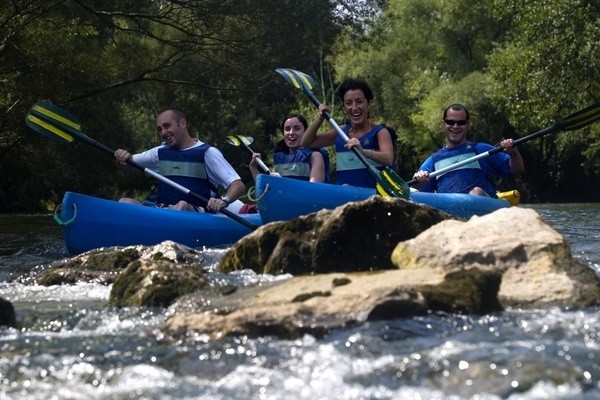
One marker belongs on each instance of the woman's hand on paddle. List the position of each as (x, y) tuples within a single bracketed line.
[(254, 164), (322, 110), (253, 161), (353, 142)]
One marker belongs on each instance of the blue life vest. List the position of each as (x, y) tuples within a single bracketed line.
[(350, 170), (461, 180), (297, 165), (187, 168)]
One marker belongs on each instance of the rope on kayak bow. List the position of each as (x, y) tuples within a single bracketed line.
[(252, 192), (57, 218)]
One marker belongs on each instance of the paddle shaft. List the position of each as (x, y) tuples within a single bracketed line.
[(261, 165)]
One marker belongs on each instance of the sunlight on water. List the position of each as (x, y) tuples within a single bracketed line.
[(16, 292), (246, 277), (71, 345)]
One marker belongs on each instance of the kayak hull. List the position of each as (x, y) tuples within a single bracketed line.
[(281, 199), (89, 223)]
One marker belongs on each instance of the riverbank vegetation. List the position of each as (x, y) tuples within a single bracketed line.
[(518, 65)]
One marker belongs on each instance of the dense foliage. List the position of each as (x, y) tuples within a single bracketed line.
[(519, 66)]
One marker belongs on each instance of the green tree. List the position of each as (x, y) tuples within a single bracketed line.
[(115, 64), (518, 66), (418, 58), (548, 69)]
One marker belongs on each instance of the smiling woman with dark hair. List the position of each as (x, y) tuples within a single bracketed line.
[(290, 159), (475, 178), (375, 141)]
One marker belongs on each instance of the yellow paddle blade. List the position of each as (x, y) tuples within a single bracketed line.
[(398, 187), (289, 76), (381, 191), (43, 111), (50, 131), (512, 196), (233, 139), (306, 79), (247, 140), (581, 118)]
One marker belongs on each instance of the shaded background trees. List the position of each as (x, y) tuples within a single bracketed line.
[(115, 64), (519, 66)]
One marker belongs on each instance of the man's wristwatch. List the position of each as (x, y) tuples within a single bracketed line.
[(226, 199)]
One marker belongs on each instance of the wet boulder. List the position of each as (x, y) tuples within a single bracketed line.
[(155, 283), (97, 266), (320, 303), (104, 265), (535, 261), (358, 236)]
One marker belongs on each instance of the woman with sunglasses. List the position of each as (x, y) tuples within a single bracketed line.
[(476, 178)]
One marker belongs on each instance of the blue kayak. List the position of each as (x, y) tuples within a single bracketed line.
[(90, 222), (280, 199)]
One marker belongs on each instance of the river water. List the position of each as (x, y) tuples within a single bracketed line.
[(73, 347)]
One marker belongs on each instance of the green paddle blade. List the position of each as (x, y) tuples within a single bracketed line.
[(306, 80), (55, 123), (55, 115), (581, 118), (240, 140), (393, 184), (246, 140), (289, 77)]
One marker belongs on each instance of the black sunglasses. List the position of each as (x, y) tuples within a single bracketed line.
[(451, 122)]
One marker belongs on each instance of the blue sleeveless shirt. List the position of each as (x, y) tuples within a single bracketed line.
[(297, 165), (349, 168), (461, 180)]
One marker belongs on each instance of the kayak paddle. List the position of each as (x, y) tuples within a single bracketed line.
[(245, 142), (59, 125), (389, 183), (572, 122)]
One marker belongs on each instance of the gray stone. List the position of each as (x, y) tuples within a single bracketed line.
[(358, 236), (155, 283), (535, 261)]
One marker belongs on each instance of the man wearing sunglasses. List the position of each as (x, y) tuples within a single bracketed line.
[(477, 177)]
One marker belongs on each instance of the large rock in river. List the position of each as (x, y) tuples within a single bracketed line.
[(319, 303), (535, 261), (358, 236), (509, 258)]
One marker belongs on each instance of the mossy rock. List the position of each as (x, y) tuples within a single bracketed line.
[(156, 283)]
